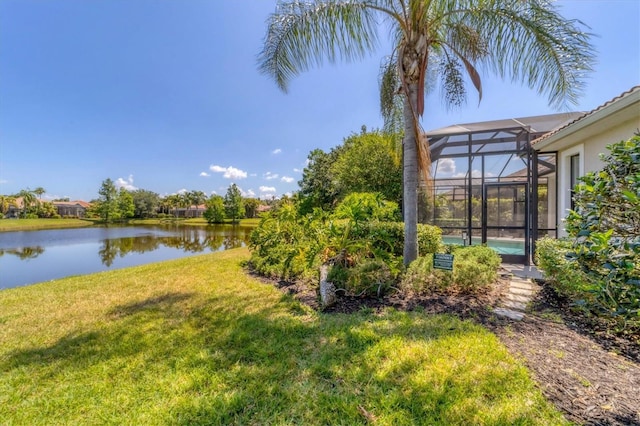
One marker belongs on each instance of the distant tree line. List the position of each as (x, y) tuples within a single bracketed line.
[(115, 204), (32, 205)]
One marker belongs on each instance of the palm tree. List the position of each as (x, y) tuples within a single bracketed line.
[(39, 191), (524, 40), (197, 198), (6, 201), (28, 198)]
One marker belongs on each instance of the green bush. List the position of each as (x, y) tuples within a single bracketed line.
[(362, 206), (474, 269), (370, 277), (422, 278), (366, 254), (605, 226), (389, 236), (561, 274)]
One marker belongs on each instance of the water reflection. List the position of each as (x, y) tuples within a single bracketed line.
[(188, 240), (36, 256), (24, 252)]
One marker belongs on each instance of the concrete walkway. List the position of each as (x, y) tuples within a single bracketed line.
[(521, 291)]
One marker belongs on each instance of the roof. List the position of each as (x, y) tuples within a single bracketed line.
[(72, 203), (602, 111), (534, 124)]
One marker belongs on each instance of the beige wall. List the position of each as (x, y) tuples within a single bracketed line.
[(597, 143), (588, 138)]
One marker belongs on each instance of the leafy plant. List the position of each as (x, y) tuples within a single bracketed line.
[(562, 274), (474, 269), (605, 227)]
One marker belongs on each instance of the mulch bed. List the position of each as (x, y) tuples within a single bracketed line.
[(590, 375)]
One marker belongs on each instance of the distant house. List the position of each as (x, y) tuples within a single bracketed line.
[(193, 211), (71, 208), (579, 143), (15, 209)]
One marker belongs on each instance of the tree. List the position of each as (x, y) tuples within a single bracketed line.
[(215, 209), (146, 203), (528, 41), (251, 207), (196, 198), (318, 185), (28, 198), (368, 162), (39, 191), (233, 204), (5, 202), (126, 208), (108, 201)]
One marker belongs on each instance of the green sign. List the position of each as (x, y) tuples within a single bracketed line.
[(443, 261)]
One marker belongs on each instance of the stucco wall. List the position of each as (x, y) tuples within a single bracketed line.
[(588, 138)]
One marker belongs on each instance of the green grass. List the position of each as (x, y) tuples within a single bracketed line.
[(197, 341), (37, 224)]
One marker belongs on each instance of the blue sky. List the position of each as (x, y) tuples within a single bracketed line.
[(166, 96)]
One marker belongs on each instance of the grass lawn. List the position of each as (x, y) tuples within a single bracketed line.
[(35, 224), (197, 341)]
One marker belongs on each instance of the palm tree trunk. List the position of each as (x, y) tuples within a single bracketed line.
[(410, 176)]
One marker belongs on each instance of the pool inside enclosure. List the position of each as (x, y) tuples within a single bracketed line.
[(490, 187)]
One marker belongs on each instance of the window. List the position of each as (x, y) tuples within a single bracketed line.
[(574, 175)]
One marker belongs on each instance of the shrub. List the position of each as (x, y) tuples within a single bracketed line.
[(562, 275), (362, 206), (422, 278), (389, 236), (474, 269), (606, 230), (370, 277)]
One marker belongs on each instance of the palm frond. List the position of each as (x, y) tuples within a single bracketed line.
[(305, 34), (531, 43), (391, 99)]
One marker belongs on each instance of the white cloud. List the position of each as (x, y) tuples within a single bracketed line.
[(3, 181), (229, 172), (446, 165), (267, 189), (269, 176), (276, 151), (297, 170), (249, 193), (214, 193), (126, 184), (205, 174), (182, 191), (474, 173), (287, 179)]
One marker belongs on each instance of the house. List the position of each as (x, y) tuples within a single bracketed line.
[(578, 144), (71, 208), (506, 183), (489, 187), (189, 212)]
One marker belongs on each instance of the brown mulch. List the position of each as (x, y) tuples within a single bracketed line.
[(591, 376)]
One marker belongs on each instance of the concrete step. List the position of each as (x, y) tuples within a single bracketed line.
[(509, 313), (518, 298), (520, 306), (522, 291)]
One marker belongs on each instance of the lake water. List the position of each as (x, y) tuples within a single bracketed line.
[(28, 257)]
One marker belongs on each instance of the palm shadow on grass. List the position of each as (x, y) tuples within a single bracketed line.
[(181, 358)]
